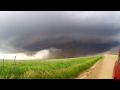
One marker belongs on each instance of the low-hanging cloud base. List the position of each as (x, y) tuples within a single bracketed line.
[(58, 34)]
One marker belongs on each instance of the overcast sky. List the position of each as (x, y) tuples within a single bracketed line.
[(78, 32)]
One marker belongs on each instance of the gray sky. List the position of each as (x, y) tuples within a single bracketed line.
[(84, 32)]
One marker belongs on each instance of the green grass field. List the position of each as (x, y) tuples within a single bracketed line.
[(46, 69)]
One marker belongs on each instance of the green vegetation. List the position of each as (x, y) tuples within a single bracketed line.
[(46, 69)]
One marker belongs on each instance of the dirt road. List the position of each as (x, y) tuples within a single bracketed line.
[(103, 69)]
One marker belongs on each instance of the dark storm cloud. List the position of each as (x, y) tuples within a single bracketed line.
[(75, 33)]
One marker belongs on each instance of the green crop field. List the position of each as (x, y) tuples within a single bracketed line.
[(46, 69)]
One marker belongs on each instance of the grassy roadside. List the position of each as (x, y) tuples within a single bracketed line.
[(39, 69)]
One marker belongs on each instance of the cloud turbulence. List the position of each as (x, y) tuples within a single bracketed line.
[(63, 33)]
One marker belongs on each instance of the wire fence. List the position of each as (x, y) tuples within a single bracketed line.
[(14, 63)]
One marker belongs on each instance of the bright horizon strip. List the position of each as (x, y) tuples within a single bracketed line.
[(18, 56), (21, 56)]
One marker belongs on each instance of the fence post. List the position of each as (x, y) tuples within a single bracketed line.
[(15, 62), (3, 61)]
